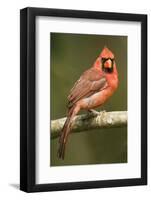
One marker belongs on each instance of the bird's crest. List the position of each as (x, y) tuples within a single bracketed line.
[(106, 53)]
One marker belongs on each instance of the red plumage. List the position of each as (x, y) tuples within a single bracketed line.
[(93, 89)]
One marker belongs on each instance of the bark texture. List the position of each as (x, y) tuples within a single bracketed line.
[(91, 121)]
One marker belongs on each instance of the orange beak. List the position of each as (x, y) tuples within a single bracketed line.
[(108, 64)]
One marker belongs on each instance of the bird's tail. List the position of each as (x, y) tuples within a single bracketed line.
[(65, 133)]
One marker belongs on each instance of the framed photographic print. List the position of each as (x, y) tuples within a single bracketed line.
[(83, 99)]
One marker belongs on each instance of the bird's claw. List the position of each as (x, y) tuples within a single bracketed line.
[(93, 112), (103, 111)]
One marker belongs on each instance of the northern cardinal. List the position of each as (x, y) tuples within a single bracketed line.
[(91, 90)]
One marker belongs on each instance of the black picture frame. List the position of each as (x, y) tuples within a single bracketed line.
[(28, 99)]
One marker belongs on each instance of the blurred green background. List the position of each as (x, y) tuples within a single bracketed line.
[(71, 55)]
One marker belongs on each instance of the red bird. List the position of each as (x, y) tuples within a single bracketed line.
[(93, 89)]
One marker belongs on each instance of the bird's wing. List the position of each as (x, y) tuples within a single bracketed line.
[(89, 83)]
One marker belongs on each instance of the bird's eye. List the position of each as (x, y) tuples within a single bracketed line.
[(104, 59)]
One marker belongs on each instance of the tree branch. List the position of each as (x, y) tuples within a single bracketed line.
[(90, 121)]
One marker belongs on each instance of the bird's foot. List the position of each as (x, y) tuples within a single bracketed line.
[(93, 112), (103, 111)]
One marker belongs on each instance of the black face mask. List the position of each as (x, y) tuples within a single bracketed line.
[(107, 70)]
